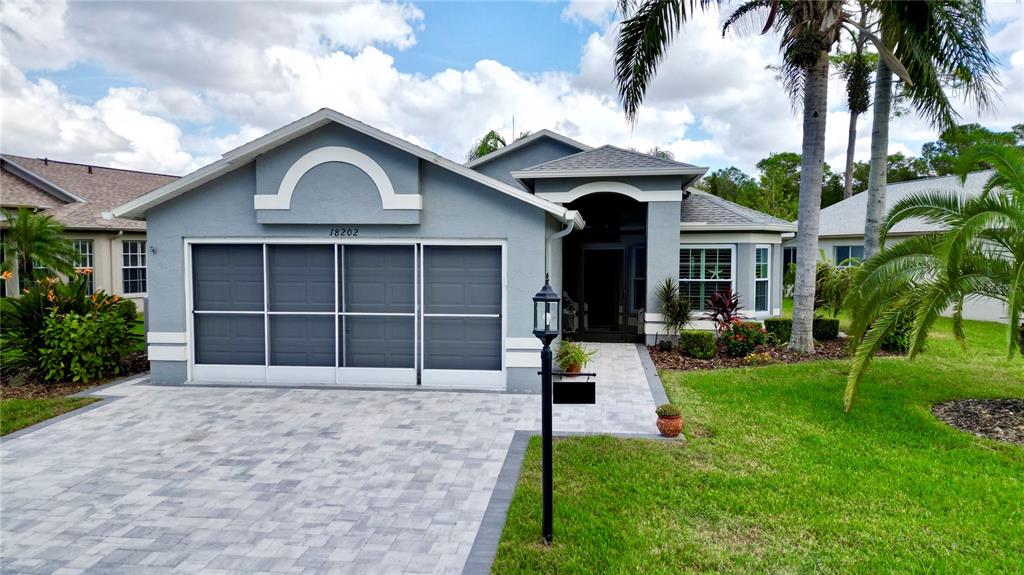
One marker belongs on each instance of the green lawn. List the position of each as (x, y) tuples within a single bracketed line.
[(775, 478), (18, 413)]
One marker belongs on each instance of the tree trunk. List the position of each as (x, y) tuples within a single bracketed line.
[(851, 143), (812, 168), (879, 160)]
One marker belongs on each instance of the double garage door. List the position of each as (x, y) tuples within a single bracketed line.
[(352, 314)]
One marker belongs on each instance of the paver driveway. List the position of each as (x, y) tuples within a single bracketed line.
[(247, 480)]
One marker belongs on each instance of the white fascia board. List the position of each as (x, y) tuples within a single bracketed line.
[(541, 174), (703, 227), (246, 153), (525, 141)]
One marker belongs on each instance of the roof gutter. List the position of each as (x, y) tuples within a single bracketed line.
[(570, 225)]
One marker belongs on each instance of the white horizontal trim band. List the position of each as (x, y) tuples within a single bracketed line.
[(166, 337), (521, 358), (167, 353), (522, 343)]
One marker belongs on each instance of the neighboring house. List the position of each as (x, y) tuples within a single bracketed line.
[(330, 252), (77, 195), (841, 235)]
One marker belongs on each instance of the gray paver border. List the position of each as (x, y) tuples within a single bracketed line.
[(325, 387), (651, 373)]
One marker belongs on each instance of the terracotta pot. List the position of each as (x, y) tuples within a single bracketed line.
[(574, 368), (670, 426)]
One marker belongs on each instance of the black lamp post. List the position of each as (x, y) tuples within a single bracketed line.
[(546, 319)]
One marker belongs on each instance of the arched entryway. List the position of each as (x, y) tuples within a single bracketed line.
[(604, 269)]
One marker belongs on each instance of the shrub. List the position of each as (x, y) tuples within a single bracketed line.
[(723, 309), (25, 318), (743, 337), (572, 353), (83, 347), (779, 329), (825, 328), (668, 410), (898, 338), (763, 358), (699, 344)]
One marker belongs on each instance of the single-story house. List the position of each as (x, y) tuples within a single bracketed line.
[(330, 252), (77, 195), (841, 235)]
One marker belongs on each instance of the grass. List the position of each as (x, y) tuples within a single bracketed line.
[(776, 478), (18, 413)]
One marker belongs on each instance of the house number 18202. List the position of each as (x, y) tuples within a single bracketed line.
[(343, 232)]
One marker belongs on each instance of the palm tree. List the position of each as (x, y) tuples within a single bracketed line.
[(808, 30), (855, 70), (942, 44), (36, 240), (979, 253), (491, 142)]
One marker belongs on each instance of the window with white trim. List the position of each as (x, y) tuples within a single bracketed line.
[(844, 253), (762, 283), (85, 261), (704, 271), (133, 266)]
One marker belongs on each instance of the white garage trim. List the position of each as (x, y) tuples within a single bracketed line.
[(166, 337), (388, 198), (167, 353), (614, 187)]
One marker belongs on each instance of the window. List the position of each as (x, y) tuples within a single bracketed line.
[(788, 257), (133, 266), (85, 260), (762, 272), (844, 253), (704, 271), (639, 277)]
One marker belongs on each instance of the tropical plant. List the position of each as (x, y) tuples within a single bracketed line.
[(855, 70), (491, 142), (941, 45), (675, 309), (722, 309), (742, 337), (980, 252), (833, 282), (572, 354), (35, 240)]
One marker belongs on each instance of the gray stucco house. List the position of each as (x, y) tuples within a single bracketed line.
[(330, 252)]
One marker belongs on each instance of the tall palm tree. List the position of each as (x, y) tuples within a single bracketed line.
[(37, 240), (492, 141), (808, 30), (855, 69), (979, 253), (942, 45)]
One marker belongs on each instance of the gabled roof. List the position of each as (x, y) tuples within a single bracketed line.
[(524, 142), (608, 161), (244, 154), (708, 212), (846, 218), (82, 192)]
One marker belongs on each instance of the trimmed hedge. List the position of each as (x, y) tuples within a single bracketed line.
[(825, 328), (699, 344), (779, 329)]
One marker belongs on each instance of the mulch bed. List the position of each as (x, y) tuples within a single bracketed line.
[(999, 419), (835, 349), (19, 388)]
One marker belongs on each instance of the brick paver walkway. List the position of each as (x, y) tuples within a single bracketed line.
[(244, 480)]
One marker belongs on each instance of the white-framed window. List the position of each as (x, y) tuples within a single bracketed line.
[(639, 274), (705, 270), (844, 253), (133, 266), (762, 278), (85, 261)]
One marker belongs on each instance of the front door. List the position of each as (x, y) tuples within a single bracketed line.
[(603, 293)]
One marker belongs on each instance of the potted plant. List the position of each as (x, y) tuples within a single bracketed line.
[(670, 420), (572, 357)]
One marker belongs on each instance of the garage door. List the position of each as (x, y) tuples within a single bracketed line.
[(373, 314)]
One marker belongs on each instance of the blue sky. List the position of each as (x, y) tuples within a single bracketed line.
[(169, 87)]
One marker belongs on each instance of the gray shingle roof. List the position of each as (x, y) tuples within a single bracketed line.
[(702, 208), (607, 158), (846, 218)]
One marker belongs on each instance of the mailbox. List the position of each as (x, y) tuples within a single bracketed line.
[(574, 389)]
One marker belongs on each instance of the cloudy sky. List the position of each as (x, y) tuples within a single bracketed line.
[(168, 87)]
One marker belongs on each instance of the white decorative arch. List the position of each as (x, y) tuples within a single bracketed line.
[(613, 187), (389, 200)]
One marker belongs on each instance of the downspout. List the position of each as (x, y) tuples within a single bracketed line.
[(110, 249), (569, 225)]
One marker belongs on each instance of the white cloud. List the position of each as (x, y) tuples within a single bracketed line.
[(598, 12)]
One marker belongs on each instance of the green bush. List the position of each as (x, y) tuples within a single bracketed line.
[(779, 329), (898, 338), (24, 319), (825, 328), (743, 337), (83, 347), (699, 344)]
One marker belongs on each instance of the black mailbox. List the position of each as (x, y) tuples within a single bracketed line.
[(574, 388)]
